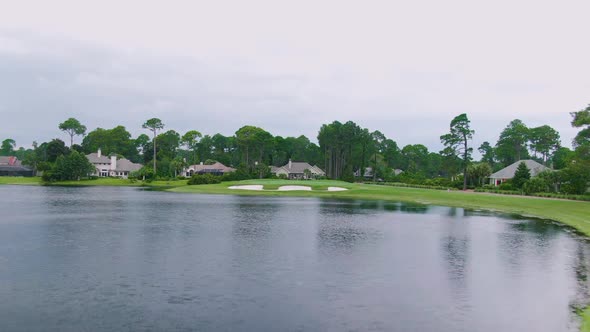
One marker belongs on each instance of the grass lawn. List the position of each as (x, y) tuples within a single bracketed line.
[(20, 180), (96, 182)]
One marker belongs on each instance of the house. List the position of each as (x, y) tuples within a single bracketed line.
[(508, 172), (11, 166), (368, 175), (215, 169), (111, 166), (298, 170)]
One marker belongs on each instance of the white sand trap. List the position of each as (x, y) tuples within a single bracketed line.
[(290, 188), (336, 189), (248, 187)]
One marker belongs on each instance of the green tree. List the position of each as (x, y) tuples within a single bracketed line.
[(479, 172), (73, 127), (338, 142), (377, 160), (544, 140), (54, 149), (142, 144), (457, 141), (415, 158), (191, 140), (7, 147), (521, 175), (153, 124), (512, 144), (252, 140), (581, 119), (116, 140), (487, 153), (73, 166)]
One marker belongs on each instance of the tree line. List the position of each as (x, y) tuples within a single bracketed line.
[(344, 150)]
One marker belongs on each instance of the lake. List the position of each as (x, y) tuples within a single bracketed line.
[(127, 259)]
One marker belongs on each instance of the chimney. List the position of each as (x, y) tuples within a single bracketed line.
[(99, 153), (113, 163), (289, 163)]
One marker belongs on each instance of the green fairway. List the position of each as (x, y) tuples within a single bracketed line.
[(572, 213)]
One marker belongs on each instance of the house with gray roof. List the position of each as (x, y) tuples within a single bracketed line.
[(111, 166), (215, 169), (11, 166), (508, 172), (297, 170)]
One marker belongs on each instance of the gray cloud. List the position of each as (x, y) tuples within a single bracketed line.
[(288, 84)]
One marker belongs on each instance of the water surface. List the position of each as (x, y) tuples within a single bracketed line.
[(124, 259)]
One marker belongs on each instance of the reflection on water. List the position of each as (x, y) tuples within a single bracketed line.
[(110, 259)]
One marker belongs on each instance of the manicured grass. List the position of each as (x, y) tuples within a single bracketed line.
[(20, 180), (585, 315), (96, 182), (572, 213)]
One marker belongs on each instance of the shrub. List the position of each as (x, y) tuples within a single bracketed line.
[(145, 173), (535, 185), (204, 179), (238, 175), (506, 186), (522, 175), (73, 166)]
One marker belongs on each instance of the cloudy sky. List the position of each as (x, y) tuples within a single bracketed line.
[(405, 68)]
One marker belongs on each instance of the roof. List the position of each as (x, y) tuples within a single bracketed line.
[(9, 161), (217, 167), (508, 172), (93, 158), (15, 168), (298, 167), (125, 165)]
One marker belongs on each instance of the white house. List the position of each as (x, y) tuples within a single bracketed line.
[(111, 166), (508, 172)]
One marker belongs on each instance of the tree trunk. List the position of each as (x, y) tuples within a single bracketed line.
[(375, 169), (465, 164), (155, 153)]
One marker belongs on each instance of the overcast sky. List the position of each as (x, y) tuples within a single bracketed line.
[(405, 68)]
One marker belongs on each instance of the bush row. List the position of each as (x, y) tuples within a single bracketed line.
[(538, 194), (409, 185)]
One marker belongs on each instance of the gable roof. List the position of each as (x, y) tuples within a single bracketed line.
[(9, 161), (217, 167), (93, 158), (126, 165), (298, 167), (508, 172)]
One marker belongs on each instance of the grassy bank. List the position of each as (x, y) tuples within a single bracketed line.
[(31, 181), (111, 182), (572, 213)]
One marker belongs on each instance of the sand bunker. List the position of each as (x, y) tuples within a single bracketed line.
[(248, 187), (290, 188), (336, 189)]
